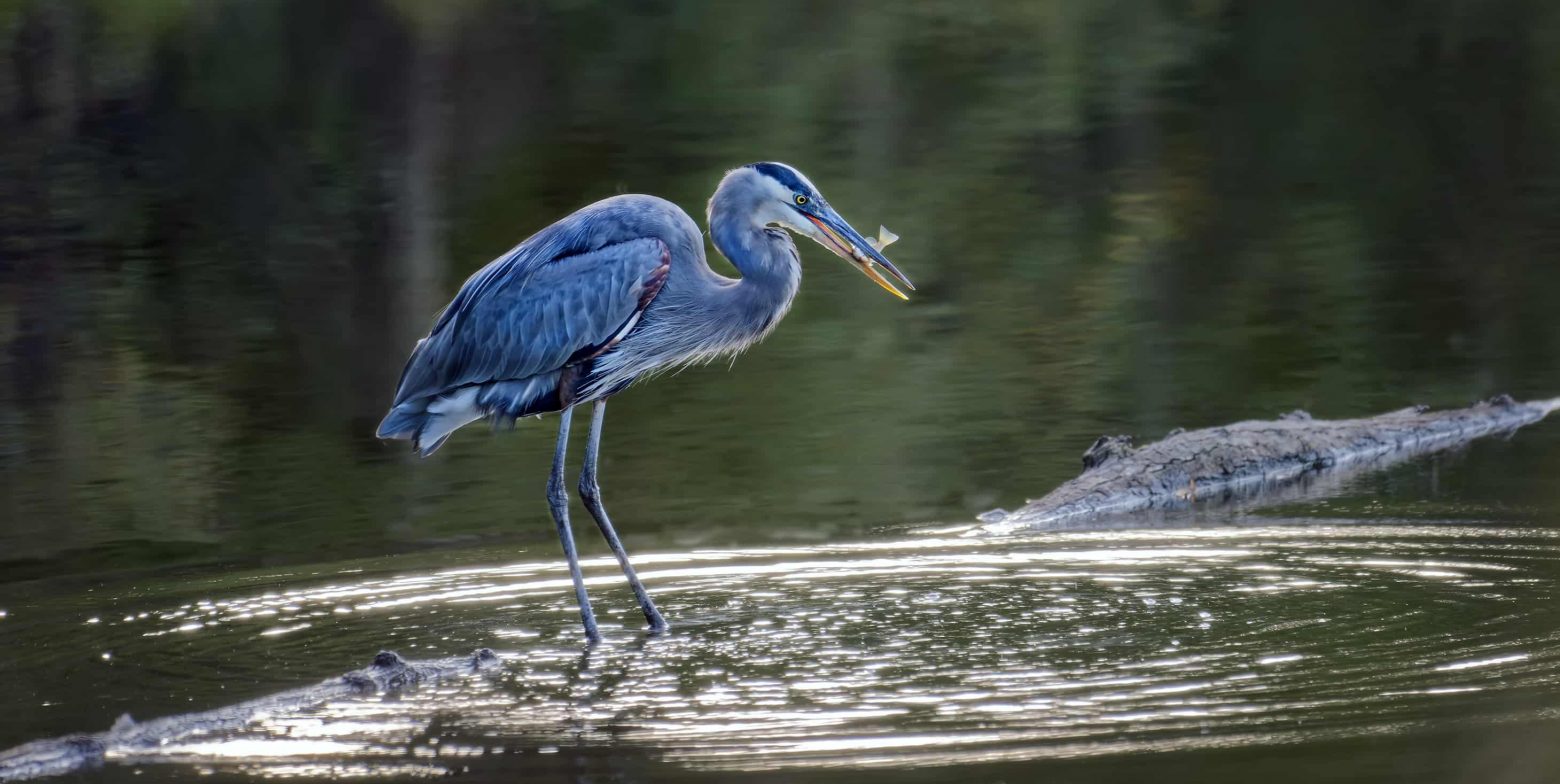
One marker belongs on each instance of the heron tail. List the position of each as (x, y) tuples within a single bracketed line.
[(427, 423)]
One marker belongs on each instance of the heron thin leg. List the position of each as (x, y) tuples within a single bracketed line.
[(558, 501), (590, 493)]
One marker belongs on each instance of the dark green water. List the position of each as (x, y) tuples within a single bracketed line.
[(222, 225)]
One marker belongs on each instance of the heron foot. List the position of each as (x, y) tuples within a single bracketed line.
[(658, 624)]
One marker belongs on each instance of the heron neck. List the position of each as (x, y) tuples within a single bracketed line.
[(767, 259)]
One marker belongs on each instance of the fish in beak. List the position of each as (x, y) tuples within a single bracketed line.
[(867, 255)]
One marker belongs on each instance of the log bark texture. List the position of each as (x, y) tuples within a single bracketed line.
[(1253, 459), (128, 739)]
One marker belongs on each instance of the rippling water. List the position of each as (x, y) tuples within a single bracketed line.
[(224, 223), (925, 649)]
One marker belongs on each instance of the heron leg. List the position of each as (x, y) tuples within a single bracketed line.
[(558, 501), (590, 493)]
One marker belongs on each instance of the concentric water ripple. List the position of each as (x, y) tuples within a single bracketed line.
[(885, 653)]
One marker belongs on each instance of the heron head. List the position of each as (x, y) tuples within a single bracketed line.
[(787, 198)]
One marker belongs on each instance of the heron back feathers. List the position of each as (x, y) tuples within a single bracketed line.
[(555, 302)]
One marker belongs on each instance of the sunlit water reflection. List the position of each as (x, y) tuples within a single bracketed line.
[(919, 650)]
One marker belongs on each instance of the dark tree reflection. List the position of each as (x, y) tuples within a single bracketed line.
[(222, 224)]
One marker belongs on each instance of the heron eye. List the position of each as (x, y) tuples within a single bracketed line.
[(801, 200)]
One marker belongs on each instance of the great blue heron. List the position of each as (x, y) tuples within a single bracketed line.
[(618, 291)]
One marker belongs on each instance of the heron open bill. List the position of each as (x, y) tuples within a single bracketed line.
[(616, 292)]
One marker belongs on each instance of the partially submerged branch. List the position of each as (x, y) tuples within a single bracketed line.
[(1255, 459), (128, 738)]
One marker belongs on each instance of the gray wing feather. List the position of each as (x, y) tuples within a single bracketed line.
[(517, 317)]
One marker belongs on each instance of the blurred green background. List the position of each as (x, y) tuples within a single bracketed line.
[(224, 223)]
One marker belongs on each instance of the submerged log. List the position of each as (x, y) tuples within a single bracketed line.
[(129, 739), (1259, 458)]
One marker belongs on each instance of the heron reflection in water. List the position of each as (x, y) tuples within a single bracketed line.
[(616, 292)]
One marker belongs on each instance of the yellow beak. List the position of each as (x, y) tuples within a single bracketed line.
[(848, 251)]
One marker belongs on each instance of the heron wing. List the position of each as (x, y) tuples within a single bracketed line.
[(518, 317)]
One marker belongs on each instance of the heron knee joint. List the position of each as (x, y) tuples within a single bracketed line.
[(590, 490), (556, 492)]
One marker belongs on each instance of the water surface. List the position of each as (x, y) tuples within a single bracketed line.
[(905, 651), (223, 224)]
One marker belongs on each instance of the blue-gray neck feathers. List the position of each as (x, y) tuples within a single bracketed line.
[(767, 258), (702, 316)]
